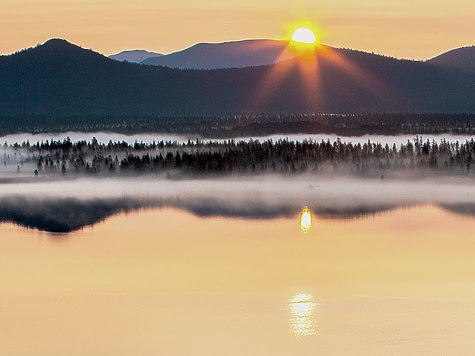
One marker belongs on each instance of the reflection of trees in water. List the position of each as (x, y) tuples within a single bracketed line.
[(70, 214), (62, 215), (460, 208)]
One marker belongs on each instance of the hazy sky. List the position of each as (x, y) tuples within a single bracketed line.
[(417, 29)]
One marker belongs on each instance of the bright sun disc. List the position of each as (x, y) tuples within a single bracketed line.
[(303, 35)]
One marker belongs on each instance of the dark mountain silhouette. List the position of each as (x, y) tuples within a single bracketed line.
[(235, 54), (61, 83), (460, 58), (134, 56)]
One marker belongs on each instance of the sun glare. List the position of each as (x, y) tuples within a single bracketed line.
[(301, 315), (303, 35), (305, 220)]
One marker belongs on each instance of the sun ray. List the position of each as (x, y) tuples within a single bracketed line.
[(274, 76), (362, 78), (309, 73), (307, 65)]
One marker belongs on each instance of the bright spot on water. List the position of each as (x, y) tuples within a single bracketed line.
[(305, 220), (301, 309)]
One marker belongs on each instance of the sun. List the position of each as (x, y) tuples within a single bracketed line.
[(303, 35)]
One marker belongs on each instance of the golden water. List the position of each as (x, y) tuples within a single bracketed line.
[(164, 282)]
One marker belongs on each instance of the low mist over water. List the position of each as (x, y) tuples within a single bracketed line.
[(61, 198), (65, 205)]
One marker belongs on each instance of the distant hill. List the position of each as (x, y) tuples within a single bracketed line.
[(459, 58), (235, 54), (63, 84), (134, 56)]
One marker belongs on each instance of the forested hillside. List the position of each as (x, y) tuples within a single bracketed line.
[(58, 83)]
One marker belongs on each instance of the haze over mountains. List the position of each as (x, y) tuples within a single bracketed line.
[(235, 54), (134, 56), (65, 83), (247, 53)]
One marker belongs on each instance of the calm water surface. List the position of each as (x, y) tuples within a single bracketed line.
[(165, 282)]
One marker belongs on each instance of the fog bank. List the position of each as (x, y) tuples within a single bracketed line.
[(67, 205)]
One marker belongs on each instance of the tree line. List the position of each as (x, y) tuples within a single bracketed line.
[(251, 157), (248, 124)]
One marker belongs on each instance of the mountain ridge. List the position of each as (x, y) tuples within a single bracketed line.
[(232, 54), (188, 58), (134, 56), (460, 58), (66, 82)]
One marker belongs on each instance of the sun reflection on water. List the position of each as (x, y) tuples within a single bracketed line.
[(305, 220), (301, 309)]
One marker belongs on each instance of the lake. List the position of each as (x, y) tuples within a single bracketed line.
[(230, 265), (164, 281)]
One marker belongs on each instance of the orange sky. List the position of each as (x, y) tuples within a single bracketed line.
[(410, 29)]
